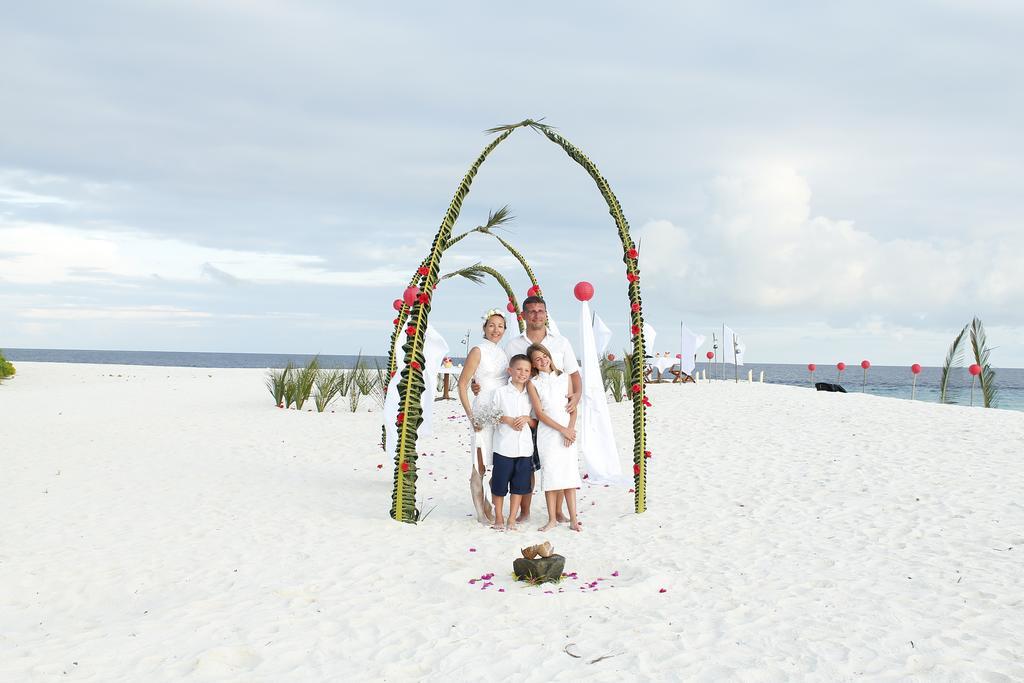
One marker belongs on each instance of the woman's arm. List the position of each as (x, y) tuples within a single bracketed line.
[(468, 370)]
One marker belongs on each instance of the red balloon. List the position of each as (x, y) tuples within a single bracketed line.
[(865, 364), (710, 354), (841, 366), (511, 307), (915, 368), (975, 369), (584, 291), (397, 304), (811, 367), (410, 296)]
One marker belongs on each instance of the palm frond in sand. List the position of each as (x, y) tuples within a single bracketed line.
[(987, 377), (305, 378), (327, 384), (276, 381), (954, 358)]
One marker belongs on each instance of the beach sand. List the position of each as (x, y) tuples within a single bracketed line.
[(170, 523)]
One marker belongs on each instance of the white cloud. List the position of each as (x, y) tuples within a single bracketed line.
[(761, 249), (43, 253)]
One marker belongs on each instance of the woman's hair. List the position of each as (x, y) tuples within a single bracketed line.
[(490, 314), (534, 348)]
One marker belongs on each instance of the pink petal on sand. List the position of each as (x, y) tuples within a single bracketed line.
[(615, 573), (501, 590), (662, 590), (472, 550)]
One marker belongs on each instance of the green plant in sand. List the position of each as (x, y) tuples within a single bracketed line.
[(614, 378), (277, 381), (327, 385), (987, 376), (305, 378)]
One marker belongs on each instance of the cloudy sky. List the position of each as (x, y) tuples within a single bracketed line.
[(835, 181)]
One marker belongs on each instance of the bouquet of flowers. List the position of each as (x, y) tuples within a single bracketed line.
[(486, 416)]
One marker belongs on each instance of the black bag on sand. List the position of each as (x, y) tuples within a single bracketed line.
[(825, 386)]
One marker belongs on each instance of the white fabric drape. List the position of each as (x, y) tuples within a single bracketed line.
[(689, 342), (435, 348), (728, 354), (649, 336), (594, 425)]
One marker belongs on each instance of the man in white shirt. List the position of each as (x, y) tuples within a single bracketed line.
[(535, 310)]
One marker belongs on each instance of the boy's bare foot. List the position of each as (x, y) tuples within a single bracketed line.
[(576, 526), (522, 519), (512, 527), (548, 526), (562, 519), (499, 525)]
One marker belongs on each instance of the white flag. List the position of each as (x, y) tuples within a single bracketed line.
[(688, 344), (732, 347), (602, 336)]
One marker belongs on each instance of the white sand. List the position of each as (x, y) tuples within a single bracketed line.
[(169, 523)]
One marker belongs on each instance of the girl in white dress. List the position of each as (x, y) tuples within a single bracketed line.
[(488, 363), (556, 435)]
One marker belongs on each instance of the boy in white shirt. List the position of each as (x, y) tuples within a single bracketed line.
[(513, 445)]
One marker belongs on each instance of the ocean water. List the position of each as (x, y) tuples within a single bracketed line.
[(882, 380)]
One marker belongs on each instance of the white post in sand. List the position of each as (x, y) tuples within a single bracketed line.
[(750, 376), (762, 377)]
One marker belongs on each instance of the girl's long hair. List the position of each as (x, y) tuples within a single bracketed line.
[(542, 349)]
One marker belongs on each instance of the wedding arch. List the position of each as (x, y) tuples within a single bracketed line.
[(416, 312)]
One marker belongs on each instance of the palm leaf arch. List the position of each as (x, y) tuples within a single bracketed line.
[(495, 219), (411, 386)]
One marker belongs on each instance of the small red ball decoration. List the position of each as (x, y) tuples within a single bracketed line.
[(635, 307), (636, 469), (840, 366), (709, 355), (410, 331), (400, 418), (405, 467), (632, 277), (533, 291), (583, 291), (415, 365), (635, 388), (395, 321), (397, 304), (915, 368), (865, 364), (611, 356), (635, 330), (647, 454), (423, 270), (811, 367), (410, 295), (975, 369), (510, 307), (632, 253)]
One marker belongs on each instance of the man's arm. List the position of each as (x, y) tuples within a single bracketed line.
[(576, 391)]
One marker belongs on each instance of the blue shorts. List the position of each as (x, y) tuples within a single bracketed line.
[(511, 474)]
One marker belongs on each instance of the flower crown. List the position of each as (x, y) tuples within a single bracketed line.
[(492, 311)]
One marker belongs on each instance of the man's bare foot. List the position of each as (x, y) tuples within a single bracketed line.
[(562, 519), (522, 519), (498, 525), (548, 526), (575, 526), (512, 527)]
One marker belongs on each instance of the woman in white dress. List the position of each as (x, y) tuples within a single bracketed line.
[(556, 435), (488, 364)]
